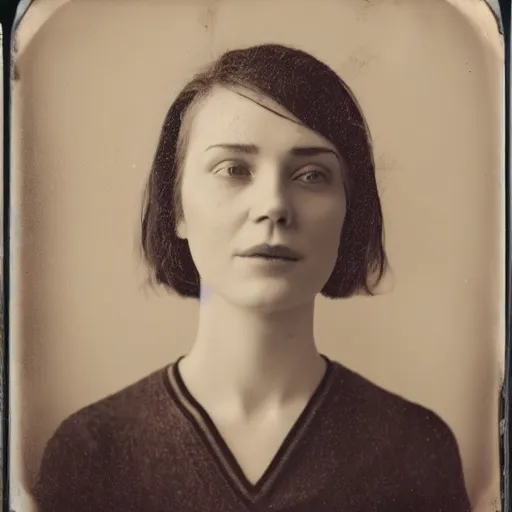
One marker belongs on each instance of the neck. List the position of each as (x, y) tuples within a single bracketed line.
[(252, 358)]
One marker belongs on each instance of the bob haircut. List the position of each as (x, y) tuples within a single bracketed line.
[(319, 98)]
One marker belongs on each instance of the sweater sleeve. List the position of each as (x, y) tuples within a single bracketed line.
[(435, 468), (446, 491), (73, 472)]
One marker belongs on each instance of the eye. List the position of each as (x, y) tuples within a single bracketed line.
[(313, 177), (233, 170)]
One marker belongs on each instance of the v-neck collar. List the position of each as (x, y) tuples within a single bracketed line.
[(223, 457)]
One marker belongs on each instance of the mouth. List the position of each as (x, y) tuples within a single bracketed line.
[(272, 253)]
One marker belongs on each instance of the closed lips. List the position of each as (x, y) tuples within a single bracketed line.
[(271, 257), (272, 252)]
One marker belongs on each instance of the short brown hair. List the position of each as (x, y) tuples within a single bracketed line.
[(320, 99)]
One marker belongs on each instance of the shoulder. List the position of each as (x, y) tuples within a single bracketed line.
[(82, 455), (386, 408), (418, 447), (95, 421)]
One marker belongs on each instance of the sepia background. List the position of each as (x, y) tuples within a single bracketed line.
[(94, 79)]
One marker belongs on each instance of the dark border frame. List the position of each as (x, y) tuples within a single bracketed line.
[(505, 7)]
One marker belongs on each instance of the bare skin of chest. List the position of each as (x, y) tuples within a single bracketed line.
[(254, 442)]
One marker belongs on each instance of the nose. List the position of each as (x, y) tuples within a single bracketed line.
[(278, 216), (271, 204)]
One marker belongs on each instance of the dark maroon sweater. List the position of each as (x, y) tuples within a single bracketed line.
[(151, 447)]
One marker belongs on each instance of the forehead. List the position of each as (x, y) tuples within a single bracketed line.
[(240, 115)]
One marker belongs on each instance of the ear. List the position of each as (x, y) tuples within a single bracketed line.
[(181, 229)]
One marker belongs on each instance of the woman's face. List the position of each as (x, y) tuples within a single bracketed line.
[(253, 175)]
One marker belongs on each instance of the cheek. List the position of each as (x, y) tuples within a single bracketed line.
[(208, 221), (196, 202), (327, 241), (326, 223)]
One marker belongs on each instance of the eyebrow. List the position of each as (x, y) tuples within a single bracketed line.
[(252, 149)]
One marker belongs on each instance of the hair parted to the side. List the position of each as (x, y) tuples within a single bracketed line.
[(320, 99)]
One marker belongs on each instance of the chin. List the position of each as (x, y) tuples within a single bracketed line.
[(270, 296)]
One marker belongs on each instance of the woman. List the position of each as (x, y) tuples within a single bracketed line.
[(262, 195)]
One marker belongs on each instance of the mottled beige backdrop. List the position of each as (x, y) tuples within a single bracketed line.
[(95, 78)]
